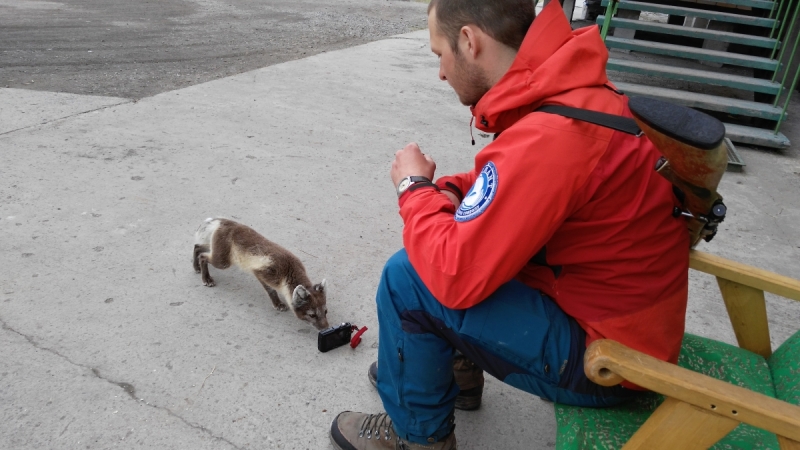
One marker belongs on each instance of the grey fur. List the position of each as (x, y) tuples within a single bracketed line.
[(223, 242)]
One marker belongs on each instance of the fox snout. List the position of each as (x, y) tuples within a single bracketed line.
[(318, 317), (321, 324)]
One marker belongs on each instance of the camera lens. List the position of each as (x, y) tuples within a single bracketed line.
[(719, 210)]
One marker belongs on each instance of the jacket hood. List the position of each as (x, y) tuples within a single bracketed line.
[(552, 59)]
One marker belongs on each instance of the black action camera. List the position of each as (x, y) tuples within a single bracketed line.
[(330, 338)]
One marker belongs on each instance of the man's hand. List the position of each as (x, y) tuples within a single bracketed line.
[(410, 161)]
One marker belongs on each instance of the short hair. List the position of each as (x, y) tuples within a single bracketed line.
[(506, 21)]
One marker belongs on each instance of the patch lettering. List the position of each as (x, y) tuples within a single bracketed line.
[(480, 196)]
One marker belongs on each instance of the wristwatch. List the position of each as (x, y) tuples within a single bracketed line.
[(407, 182)]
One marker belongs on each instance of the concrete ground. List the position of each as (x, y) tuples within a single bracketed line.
[(136, 49), (110, 340)]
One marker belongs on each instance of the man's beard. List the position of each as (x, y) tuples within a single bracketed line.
[(471, 81)]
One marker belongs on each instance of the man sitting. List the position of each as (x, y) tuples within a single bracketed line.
[(561, 234)]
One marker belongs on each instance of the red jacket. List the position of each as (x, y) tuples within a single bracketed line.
[(616, 259)]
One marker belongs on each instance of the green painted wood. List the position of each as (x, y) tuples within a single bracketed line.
[(703, 101), (756, 136), (699, 76), (700, 33), (760, 4), (696, 12), (701, 54)]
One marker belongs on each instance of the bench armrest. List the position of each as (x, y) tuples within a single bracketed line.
[(743, 274), (608, 362)]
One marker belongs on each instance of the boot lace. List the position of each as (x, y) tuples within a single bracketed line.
[(372, 425)]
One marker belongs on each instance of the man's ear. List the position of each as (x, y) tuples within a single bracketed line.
[(469, 41)]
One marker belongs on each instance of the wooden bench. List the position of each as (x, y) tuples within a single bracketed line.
[(742, 397)]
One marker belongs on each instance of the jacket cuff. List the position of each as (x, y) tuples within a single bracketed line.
[(413, 188)]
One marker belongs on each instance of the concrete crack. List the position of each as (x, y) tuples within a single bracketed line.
[(36, 344), (127, 387), (65, 428), (201, 428), (66, 117)]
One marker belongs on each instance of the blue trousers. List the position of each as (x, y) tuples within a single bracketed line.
[(518, 335)]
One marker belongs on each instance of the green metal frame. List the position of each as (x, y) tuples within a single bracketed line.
[(777, 17), (788, 66), (611, 10), (782, 20), (772, 16)]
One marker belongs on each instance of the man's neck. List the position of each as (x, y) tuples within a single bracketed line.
[(498, 61)]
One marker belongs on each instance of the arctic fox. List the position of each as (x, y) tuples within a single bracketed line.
[(222, 242)]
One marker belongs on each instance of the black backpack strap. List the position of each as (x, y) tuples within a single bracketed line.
[(619, 123)]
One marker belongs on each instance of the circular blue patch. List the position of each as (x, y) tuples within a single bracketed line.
[(480, 196)]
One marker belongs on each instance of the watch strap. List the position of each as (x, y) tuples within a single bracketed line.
[(419, 179), (421, 184)]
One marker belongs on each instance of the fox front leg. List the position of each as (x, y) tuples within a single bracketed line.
[(198, 249), (273, 295), (207, 280)]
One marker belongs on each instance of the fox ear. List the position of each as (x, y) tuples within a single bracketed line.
[(320, 287), (299, 296)]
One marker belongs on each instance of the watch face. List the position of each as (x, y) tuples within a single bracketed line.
[(403, 184)]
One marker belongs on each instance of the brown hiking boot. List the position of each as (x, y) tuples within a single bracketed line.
[(360, 431), (469, 378)]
